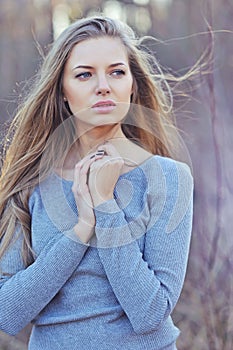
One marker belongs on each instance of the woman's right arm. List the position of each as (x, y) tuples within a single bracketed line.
[(25, 292)]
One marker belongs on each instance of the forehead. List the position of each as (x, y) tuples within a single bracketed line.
[(97, 50)]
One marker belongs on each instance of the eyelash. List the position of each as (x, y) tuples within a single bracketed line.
[(84, 74), (119, 71)]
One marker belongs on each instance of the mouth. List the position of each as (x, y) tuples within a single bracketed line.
[(104, 106), (106, 103)]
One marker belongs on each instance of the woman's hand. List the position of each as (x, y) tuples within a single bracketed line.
[(86, 218), (104, 173)]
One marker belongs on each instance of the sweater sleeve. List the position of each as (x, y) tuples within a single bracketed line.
[(148, 284), (25, 292)]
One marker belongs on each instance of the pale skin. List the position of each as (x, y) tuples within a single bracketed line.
[(97, 85)]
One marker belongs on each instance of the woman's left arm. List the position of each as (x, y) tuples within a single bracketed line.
[(148, 285)]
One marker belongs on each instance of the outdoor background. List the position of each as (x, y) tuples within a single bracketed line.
[(185, 29)]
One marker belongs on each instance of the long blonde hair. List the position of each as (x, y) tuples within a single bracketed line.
[(44, 110)]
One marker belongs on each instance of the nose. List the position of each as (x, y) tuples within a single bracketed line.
[(102, 87)]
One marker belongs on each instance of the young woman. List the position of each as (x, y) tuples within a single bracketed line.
[(95, 215)]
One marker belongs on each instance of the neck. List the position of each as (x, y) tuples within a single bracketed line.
[(89, 141)]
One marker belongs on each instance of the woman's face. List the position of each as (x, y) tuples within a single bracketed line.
[(97, 82)]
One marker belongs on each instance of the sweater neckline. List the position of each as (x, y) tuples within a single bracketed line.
[(128, 173)]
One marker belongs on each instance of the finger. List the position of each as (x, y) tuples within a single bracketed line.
[(99, 152), (75, 178), (80, 188), (109, 149), (79, 174), (99, 163), (81, 171)]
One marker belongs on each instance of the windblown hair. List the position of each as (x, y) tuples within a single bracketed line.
[(45, 110)]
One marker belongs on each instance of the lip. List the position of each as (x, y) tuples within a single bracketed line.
[(104, 106), (104, 103)]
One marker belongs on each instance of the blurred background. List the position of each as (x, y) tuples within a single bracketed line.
[(184, 29)]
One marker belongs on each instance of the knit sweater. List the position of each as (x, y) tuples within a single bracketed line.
[(117, 291)]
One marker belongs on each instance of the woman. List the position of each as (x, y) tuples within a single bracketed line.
[(95, 215)]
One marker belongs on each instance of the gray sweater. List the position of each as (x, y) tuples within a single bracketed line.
[(117, 291)]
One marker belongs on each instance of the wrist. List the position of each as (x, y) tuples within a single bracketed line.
[(100, 200), (84, 230)]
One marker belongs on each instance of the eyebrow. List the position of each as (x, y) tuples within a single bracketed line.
[(90, 67)]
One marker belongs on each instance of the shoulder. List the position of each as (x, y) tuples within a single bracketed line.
[(170, 190), (44, 189), (34, 196), (170, 170)]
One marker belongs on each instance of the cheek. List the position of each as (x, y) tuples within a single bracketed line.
[(71, 89), (75, 97), (130, 86), (126, 90)]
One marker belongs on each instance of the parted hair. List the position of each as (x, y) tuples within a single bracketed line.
[(148, 122)]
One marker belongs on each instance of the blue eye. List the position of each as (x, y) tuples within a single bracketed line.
[(118, 72), (84, 75)]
